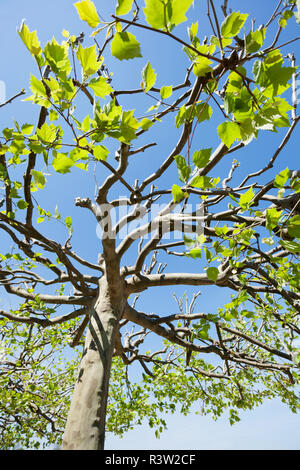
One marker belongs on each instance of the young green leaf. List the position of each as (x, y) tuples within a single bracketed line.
[(294, 226), (124, 46), (53, 115), (202, 67), (100, 152), (212, 273), (145, 124), (246, 198), (88, 59), (177, 193), (62, 164), (128, 127), (22, 204), (46, 133), (272, 218), (37, 87), (39, 178), (27, 129), (195, 252), (232, 24), (148, 77), (229, 132), (293, 247), (166, 92), (123, 7), (58, 58), (202, 182), (69, 223), (30, 40), (100, 87), (254, 40), (282, 178), (87, 11), (201, 157), (184, 170), (166, 15)]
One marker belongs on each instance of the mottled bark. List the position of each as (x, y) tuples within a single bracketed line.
[(85, 429)]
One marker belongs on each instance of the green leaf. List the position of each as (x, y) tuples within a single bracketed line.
[(166, 92), (202, 67), (53, 115), (272, 218), (58, 58), (79, 154), (123, 7), (272, 75), (212, 273), (192, 31), (87, 11), (232, 24), (39, 178), (225, 41), (124, 46), (62, 164), (68, 222), (128, 127), (100, 87), (294, 226), (166, 14), (177, 193), (202, 182), (254, 40), (202, 111), (37, 87), (229, 132), (203, 334), (201, 157), (88, 59), (27, 129), (293, 247), (22, 204), (184, 170), (246, 198), (189, 242), (100, 152), (148, 77), (145, 124), (30, 40), (46, 133), (195, 253), (282, 178)]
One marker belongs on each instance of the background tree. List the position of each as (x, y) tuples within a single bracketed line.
[(217, 222)]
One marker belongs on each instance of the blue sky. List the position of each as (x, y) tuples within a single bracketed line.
[(271, 426)]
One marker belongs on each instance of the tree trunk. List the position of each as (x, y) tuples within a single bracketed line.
[(85, 429)]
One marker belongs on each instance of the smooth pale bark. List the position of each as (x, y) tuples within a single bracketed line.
[(85, 429)]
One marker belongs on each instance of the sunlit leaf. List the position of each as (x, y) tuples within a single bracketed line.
[(148, 77), (87, 11), (123, 7), (124, 46), (100, 87), (233, 23)]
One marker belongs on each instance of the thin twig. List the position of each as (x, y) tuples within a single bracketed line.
[(22, 92)]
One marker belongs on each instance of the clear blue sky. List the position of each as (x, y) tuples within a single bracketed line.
[(271, 426)]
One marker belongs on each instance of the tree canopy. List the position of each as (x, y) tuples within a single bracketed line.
[(168, 194)]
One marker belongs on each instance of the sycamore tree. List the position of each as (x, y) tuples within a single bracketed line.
[(199, 215)]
